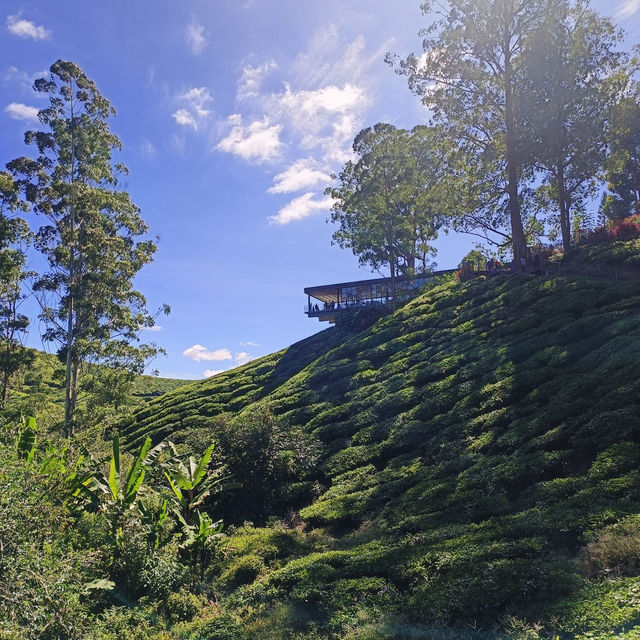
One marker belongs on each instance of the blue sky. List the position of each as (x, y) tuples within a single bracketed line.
[(232, 113)]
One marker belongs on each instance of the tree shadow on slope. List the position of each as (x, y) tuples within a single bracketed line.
[(484, 434)]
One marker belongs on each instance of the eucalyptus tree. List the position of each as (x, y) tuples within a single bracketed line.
[(622, 167), (574, 78), (470, 75), (14, 236), (386, 202), (92, 238)]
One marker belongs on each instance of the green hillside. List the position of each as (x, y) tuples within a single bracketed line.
[(476, 445), (39, 389)]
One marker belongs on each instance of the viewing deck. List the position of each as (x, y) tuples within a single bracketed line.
[(331, 299)]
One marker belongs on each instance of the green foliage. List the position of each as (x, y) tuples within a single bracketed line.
[(269, 458), (470, 442), (458, 454), (386, 204), (112, 492), (623, 163), (26, 444), (243, 570), (91, 240)]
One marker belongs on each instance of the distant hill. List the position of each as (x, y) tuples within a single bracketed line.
[(472, 444), (41, 385)]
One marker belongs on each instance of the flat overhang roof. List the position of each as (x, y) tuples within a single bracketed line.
[(328, 292)]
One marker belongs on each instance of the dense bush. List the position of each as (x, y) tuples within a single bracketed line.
[(266, 456)]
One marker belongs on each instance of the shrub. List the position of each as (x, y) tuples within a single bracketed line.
[(243, 570), (182, 606), (627, 229), (263, 454), (616, 550), (222, 627)]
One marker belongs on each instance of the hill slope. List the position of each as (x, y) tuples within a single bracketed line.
[(470, 443)]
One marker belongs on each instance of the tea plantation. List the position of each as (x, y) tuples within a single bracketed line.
[(474, 470)]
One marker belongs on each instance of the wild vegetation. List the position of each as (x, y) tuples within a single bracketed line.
[(478, 448), (464, 466)]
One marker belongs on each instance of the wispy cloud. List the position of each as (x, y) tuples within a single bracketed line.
[(248, 343), (25, 28), (251, 78), (148, 149), (243, 357), (195, 107), (628, 8), (300, 208), (155, 327), (195, 37), (178, 144), (184, 118), (19, 111), (302, 174), (199, 353), (257, 142), (24, 80), (207, 373), (308, 126)]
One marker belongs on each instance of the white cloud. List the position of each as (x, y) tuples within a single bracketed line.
[(155, 327), (198, 353), (311, 122), (197, 98), (325, 118), (300, 208), (251, 79), (328, 59), (248, 343), (19, 111), (184, 118), (259, 141), (207, 373), (195, 37), (302, 174), (330, 100), (26, 28), (243, 357), (628, 8), (195, 107), (148, 149)]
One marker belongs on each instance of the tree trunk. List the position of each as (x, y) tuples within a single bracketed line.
[(565, 221), (511, 156), (69, 405), (5, 387), (392, 266)]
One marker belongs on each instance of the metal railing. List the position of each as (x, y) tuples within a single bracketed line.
[(341, 306)]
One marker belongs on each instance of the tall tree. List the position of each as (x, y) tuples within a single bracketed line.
[(385, 203), (470, 76), (14, 235), (92, 239), (622, 167), (574, 77)]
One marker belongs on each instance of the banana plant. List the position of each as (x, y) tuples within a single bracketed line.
[(191, 483), (26, 444), (116, 491), (153, 521), (201, 541)]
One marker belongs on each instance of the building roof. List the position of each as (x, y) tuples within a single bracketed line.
[(330, 292)]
